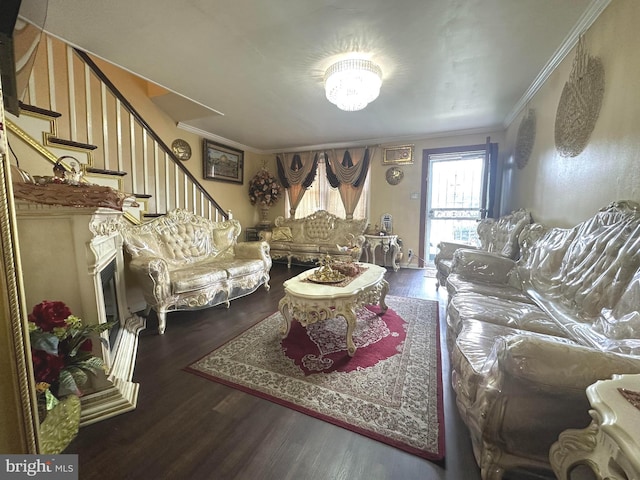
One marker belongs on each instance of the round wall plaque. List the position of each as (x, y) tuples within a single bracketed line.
[(394, 175), (181, 149)]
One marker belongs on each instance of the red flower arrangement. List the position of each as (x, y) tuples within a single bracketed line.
[(61, 351)]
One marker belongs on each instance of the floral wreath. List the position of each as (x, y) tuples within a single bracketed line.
[(264, 189)]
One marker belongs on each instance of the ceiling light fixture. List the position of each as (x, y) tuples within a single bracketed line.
[(353, 83)]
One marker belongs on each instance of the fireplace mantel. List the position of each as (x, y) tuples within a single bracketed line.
[(63, 252)]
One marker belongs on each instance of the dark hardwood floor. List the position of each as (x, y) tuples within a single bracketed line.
[(186, 427)]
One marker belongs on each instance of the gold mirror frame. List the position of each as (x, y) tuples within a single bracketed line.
[(19, 424)]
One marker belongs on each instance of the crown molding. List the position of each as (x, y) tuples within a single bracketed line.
[(387, 141), (377, 142), (218, 138), (583, 24)]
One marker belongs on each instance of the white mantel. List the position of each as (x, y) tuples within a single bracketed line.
[(63, 250)]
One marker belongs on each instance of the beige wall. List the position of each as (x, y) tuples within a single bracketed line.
[(396, 199), (230, 196), (563, 191)]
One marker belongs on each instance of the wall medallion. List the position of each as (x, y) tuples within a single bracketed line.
[(394, 175), (525, 139), (580, 103), (181, 149)]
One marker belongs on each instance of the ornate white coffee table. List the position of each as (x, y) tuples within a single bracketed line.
[(309, 302)]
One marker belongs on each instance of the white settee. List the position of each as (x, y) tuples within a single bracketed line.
[(499, 236), (528, 337), (183, 262), (312, 237)]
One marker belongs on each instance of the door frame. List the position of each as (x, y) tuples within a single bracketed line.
[(489, 180)]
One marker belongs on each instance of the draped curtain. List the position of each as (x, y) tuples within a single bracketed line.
[(348, 174), (296, 172)]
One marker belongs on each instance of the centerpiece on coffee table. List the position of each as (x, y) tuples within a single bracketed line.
[(326, 273)]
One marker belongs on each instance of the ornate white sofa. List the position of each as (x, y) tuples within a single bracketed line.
[(499, 236), (528, 337), (184, 262), (309, 238)]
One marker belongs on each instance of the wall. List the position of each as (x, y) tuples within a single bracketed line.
[(396, 199), (230, 196), (563, 191)]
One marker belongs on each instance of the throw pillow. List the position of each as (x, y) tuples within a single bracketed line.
[(282, 234)]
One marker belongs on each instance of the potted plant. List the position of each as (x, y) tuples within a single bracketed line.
[(61, 352)]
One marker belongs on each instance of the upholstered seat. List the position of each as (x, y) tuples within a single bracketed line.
[(528, 337), (183, 261), (310, 238), (496, 236)]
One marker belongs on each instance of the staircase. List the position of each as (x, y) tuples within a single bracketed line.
[(73, 110)]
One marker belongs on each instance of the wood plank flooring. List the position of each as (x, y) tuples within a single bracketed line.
[(186, 427)]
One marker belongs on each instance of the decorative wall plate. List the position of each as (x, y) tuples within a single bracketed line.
[(181, 149), (394, 175)]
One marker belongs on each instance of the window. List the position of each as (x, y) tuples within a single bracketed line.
[(320, 196)]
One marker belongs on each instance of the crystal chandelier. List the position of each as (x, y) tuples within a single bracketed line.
[(352, 84)]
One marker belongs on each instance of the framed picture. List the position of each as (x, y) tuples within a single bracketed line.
[(222, 163), (398, 154)]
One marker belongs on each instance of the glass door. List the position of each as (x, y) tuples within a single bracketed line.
[(456, 195)]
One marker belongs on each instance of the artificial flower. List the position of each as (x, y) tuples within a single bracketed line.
[(61, 351), (264, 189)]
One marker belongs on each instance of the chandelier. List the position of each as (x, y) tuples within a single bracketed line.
[(353, 83)]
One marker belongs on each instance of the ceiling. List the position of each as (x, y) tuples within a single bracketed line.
[(250, 72)]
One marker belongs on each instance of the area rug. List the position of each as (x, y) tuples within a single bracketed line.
[(390, 390)]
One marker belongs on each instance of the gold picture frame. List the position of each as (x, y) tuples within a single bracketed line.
[(399, 154)]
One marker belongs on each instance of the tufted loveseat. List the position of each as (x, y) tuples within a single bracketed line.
[(528, 337), (499, 236), (310, 238), (183, 262)]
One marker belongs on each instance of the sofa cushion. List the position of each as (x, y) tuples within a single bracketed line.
[(308, 248), (238, 268), (457, 285), (224, 239), (286, 246), (196, 275), (500, 311)]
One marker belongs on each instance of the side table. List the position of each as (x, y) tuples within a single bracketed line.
[(386, 243), (251, 234), (610, 445)]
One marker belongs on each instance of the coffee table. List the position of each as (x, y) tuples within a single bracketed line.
[(309, 302)]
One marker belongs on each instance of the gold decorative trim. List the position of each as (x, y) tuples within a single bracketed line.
[(26, 138), (398, 155), (83, 151), (15, 309)]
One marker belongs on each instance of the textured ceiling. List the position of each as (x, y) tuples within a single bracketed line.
[(448, 65)]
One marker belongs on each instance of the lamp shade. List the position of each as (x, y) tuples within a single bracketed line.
[(352, 84)]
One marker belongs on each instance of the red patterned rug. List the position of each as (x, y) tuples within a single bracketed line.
[(391, 390)]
